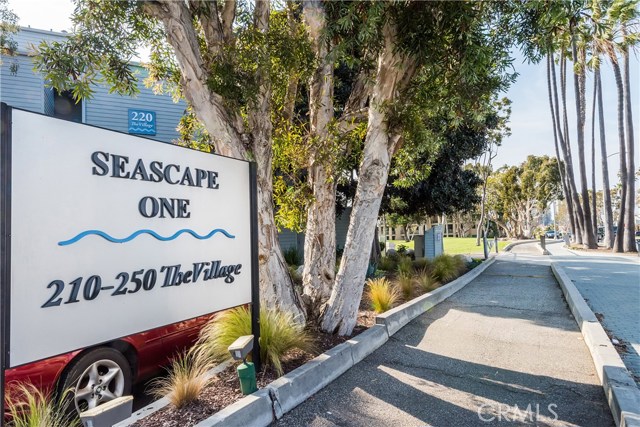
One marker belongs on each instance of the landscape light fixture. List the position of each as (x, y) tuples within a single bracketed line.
[(239, 350)]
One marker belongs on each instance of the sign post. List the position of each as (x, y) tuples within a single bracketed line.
[(255, 278), (5, 248), (96, 222)]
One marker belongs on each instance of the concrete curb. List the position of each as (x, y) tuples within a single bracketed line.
[(161, 403), (512, 244), (619, 387), (398, 317)]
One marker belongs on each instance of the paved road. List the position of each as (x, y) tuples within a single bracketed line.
[(504, 343), (611, 286)]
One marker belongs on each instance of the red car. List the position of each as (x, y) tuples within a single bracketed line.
[(99, 374)]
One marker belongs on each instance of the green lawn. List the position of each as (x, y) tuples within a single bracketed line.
[(455, 245), (466, 245), (408, 244)]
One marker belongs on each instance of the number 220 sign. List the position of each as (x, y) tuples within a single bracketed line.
[(142, 122)]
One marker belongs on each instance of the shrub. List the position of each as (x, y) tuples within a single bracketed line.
[(30, 407), (421, 264), (446, 268), (426, 281), (186, 379), (405, 266), (402, 249), (404, 282), (292, 257), (278, 334), (381, 294), (387, 264)]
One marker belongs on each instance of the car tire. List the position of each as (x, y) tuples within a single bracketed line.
[(94, 378)]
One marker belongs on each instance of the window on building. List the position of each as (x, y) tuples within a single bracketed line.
[(65, 107)]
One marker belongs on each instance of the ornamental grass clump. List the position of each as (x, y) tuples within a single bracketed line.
[(404, 283), (405, 266), (29, 407), (446, 267), (381, 294), (426, 281), (187, 377), (420, 264), (279, 334)]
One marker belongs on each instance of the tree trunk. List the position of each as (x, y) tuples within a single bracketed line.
[(575, 199), (619, 240), (593, 161), (579, 83), (276, 286), (394, 70), (629, 244), (320, 236), (230, 139), (606, 196), (558, 136)]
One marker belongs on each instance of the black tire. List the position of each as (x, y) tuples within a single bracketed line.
[(106, 361)]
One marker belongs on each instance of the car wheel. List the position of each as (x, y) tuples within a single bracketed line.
[(96, 377)]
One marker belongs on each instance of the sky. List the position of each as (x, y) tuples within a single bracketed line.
[(531, 127)]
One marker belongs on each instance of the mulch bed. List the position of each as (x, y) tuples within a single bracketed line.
[(225, 388)]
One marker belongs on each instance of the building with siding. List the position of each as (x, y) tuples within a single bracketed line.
[(22, 87)]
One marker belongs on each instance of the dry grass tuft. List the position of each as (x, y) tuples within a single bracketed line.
[(29, 407), (186, 379), (381, 294)]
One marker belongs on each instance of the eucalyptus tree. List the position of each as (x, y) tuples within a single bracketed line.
[(419, 41), (228, 60)]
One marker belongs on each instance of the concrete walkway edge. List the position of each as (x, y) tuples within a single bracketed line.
[(282, 395), (619, 387)]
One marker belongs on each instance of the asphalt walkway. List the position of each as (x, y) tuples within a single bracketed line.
[(505, 350), (610, 284)]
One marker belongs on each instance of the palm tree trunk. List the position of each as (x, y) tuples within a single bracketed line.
[(579, 84), (629, 244), (556, 136), (578, 213), (606, 190), (593, 161), (619, 241)]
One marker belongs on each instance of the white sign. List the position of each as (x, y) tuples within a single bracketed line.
[(113, 234)]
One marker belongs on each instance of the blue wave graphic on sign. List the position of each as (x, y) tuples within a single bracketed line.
[(141, 130), (139, 232)]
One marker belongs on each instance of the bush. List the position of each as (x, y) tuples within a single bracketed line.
[(381, 294), (405, 266), (402, 249), (278, 335), (29, 407), (421, 264), (404, 282), (446, 268), (186, 379), (387, 264), (426, 281), (292, 257)]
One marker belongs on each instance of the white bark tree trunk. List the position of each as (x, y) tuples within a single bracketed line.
[(394, 70), (229, 137), (318, 274)]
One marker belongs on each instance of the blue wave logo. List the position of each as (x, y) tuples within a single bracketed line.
[(149, 232)]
